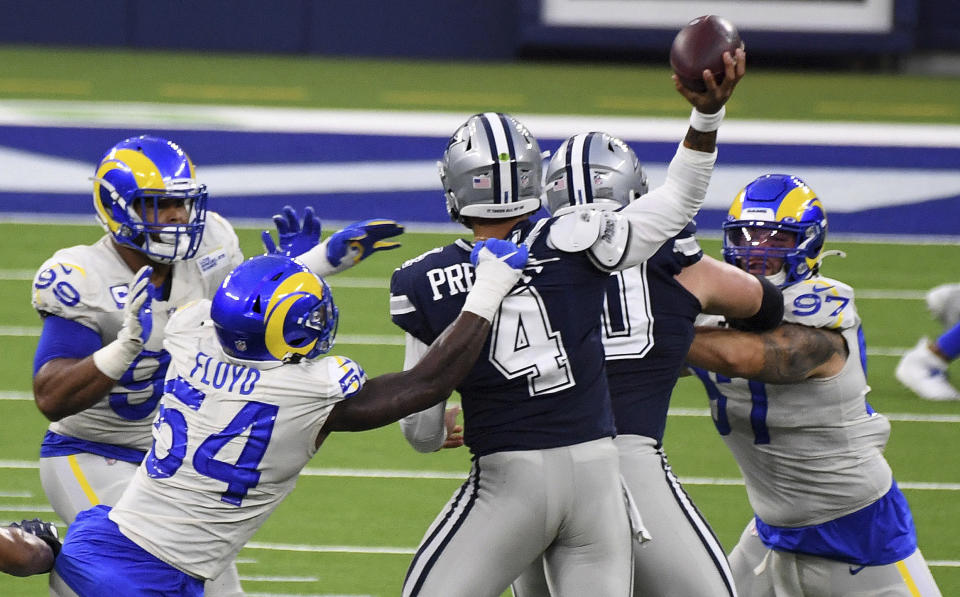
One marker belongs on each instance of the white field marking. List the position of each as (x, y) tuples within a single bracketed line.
[(45, 508), (246, 561), (382, 474), (281, 578), (718, 481), (15, 494), (900, 417), (395, 340), (358, 549), (307, 595), (403, 551), (350, 282), (360, 339), (382, 122)]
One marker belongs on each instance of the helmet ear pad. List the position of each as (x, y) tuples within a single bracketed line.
[(492, 169), (777, 202), (272, 308), (146, 172)]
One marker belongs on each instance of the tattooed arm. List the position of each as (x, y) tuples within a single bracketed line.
[(789, 354)]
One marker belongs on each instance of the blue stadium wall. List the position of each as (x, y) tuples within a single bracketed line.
[(460, 29)]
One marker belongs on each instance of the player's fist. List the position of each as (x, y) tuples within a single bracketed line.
[(498, 266)]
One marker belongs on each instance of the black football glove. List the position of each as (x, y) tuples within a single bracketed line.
[(45, 530)]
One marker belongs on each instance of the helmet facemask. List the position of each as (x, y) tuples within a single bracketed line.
[(146, 197)]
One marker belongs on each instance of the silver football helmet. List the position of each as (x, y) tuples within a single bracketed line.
[(593, 170), (491, 169)]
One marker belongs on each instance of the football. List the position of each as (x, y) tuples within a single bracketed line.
[(700, 46)]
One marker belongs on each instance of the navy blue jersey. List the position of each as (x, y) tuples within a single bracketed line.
[(648, 328), (540, 381)]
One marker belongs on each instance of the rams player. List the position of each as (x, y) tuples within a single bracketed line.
[(537, 414), (248, 399), (791, 404), (100, 392)]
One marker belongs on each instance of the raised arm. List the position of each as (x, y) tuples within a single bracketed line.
[(387, 398), (28, 547), (664, 211), (789, 354)]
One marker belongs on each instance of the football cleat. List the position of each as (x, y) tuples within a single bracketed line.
[(593, 170), (491, 169), (136, 184), (273, 308), (943, 302), (776, 217), (925, 373)]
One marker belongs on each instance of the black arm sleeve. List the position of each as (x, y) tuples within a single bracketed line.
[(770, 313)]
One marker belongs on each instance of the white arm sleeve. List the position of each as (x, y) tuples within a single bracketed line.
[(424, 430), (664, 211), (316, 260)]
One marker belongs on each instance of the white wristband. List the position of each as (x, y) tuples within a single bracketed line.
[(493, 281), (114, 359), (707, 123)]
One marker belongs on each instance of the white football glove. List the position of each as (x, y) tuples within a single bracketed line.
[(114, 359), (498, 265)]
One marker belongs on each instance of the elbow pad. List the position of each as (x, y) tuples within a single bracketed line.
[(770, 313)]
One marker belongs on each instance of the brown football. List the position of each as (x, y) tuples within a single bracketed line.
[(700, 46)]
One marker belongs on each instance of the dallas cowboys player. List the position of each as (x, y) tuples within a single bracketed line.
[(545, 477), (791, 406), (647, 327), (99, 391), (247, 402)]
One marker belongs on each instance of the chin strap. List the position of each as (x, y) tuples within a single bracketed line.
[(830, 253)]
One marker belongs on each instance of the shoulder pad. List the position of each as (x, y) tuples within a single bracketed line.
[(575, 231), (608, 251), (821, 303), (68, 285)]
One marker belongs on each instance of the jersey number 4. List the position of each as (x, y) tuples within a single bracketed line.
[(524, 343), (240, 477)]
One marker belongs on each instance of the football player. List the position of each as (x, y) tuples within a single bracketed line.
[(791, 404), (248, 399), (28, 547), (923, 369), (647, 326), (99, 391), (537, 413)]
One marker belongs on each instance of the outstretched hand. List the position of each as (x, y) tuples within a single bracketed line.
[(294, 239), (716, 95), (359, 240), (138, 313)]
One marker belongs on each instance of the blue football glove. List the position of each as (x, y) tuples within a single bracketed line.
[(294, 239), (359, 240), (498, 265), (502, 250)]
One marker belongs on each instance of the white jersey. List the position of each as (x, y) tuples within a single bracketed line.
[(229, 443), (813, 451), (88, 284)]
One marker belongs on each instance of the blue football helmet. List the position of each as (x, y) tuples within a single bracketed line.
[(491, 169), (272, 308), (135, 181), (593, 170), (777, 216)]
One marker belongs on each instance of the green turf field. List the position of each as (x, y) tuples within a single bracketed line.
[(358, 513), (356, 516), (527, 87)]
